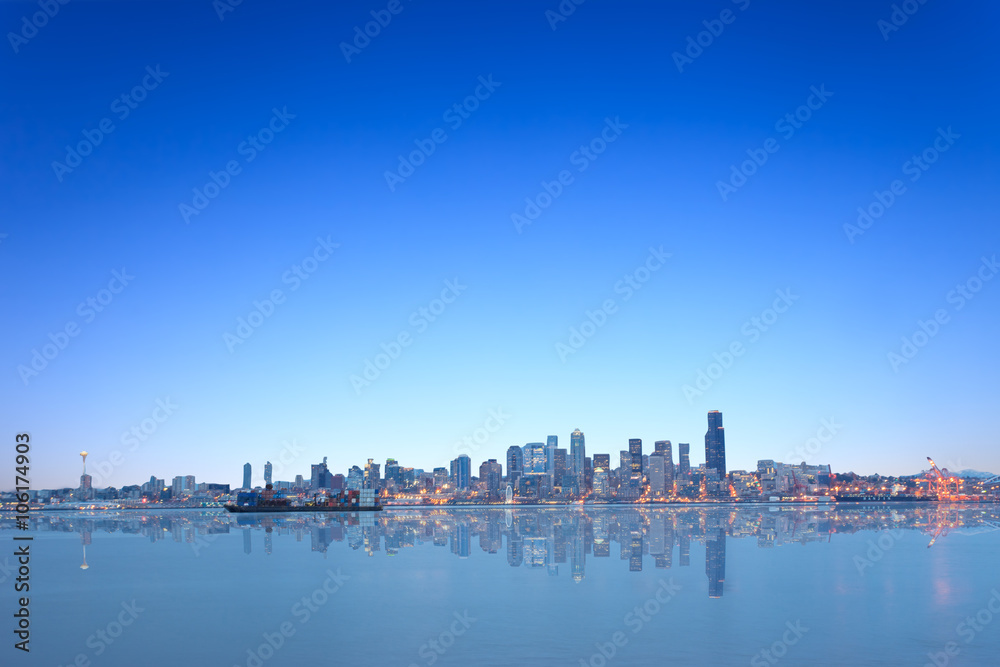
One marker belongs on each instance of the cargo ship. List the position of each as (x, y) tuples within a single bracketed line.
[(271, 501)]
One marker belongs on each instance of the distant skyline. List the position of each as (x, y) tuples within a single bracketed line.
[(229, 268)]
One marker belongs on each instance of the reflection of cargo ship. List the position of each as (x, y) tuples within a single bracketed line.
[(271, 501)]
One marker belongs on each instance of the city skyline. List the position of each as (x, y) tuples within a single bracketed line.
[(276, 312)]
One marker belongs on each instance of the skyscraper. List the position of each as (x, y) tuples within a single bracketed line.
[(515, 464), (490, 473), (663, 448), (602, 462), (247, 470), (267, 473), (461, 471), (535, 458), (715, 444), (635, 450), (551, 443), (684, 460), (656, 474), (577, 453), (320, 476), (559, 467)]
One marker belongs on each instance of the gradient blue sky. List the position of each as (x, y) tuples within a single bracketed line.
[(495, 346)]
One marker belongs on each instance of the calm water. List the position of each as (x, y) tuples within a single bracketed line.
[(524, 587)]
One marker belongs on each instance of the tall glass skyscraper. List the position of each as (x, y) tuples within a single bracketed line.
[(551, 443), (664, 449), (715, 444), (577, 453), (635, 450), (267, 473), (684, 462), (515, 464), (247, 470)]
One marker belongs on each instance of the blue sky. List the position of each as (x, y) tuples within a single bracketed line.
[(326, 133)]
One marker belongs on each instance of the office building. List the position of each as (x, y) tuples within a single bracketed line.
[(664, 448), (684, 460), (268, 473), (635, 451), (715, 444), (461, 472), (515, 464), (577, 453), (247, 482)]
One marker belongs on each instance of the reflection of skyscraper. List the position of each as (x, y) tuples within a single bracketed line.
[(247, 469), (635, 558), (715, 444), (246, 540), (685, 550), (715, 562)]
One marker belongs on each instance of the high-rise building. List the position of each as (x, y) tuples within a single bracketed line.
[(534, 458), (268, 477), (602, 462), (373, 472), (684, 460), (551, 444), (189, 484), (559, 467), (664, 448), (461, 471), (625, 461), (490, 473), (320, 476), (247, 470), (635, 450), (577, 453), (657, 475), (515, 464), (715, 444), (177, 488)]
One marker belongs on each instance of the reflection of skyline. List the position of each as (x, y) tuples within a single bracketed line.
[(538, 539)]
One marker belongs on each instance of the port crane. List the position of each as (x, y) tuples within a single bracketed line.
[(942, 481)]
